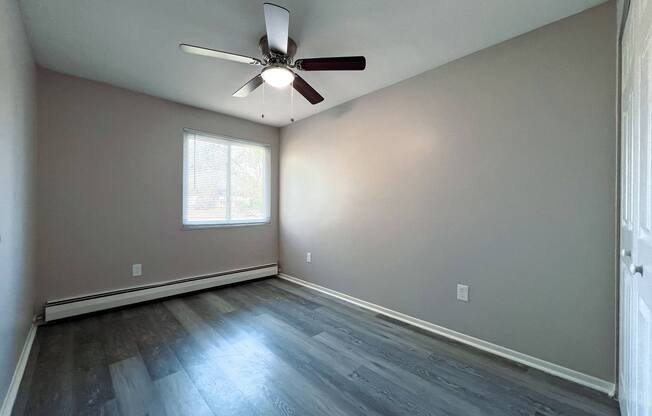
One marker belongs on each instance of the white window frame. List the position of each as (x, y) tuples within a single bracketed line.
[(189, 225)]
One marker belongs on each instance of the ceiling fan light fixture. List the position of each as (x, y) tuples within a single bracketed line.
[(278, 76), (278, 62)]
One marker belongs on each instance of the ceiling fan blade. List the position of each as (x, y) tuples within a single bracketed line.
[(306, 90), (214, 53), (277, 21), (342, 63), (249, 87)]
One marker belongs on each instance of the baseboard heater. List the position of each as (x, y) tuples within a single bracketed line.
[(64, 308)]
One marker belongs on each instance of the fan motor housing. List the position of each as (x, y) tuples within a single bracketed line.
[(273, 57)]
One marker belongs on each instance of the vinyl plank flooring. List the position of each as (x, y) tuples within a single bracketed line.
[(91, 380), (253, 374), (51, 391), (317, 297), (248, 363), (454, 385), (135, 391), (210, 312), (211, 342), (180, 397), (272, 347), (117, 339), (501, 372), (159, 359), (233, 296), (425, 392), (397, 334), (251, 336), (187, 351), (110, 408), (415, 382), (222, 396), (400, 399), (300, 300), (393, 355), (324, 375), (222, 305)]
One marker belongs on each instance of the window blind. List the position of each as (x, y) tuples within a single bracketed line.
[(225, 181)]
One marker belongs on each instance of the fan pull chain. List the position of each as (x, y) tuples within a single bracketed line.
[(291, 104), (262, 115)]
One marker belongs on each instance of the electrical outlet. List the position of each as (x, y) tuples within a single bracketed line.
[(136, 270), (463, 293), (308, 257)]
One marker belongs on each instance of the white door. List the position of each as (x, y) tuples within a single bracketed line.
[(635, 376), (626, 220)]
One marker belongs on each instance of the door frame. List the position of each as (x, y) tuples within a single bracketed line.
[(623, 20)]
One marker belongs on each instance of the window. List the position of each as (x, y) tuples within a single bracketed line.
[(225, 181)]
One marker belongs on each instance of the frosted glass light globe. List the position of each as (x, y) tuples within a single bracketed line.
[(277, 76)]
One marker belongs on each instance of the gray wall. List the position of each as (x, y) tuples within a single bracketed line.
[(109, 187), (17, 167), (496, 171)]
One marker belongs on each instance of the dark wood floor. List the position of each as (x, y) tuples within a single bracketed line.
[(274, 348)]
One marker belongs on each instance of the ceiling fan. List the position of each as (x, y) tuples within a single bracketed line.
[(277, 58)]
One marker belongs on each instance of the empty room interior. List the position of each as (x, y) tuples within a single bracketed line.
[(328, 208)]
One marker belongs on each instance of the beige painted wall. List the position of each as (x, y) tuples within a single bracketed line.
[(497, 171), (109, 187), (17, 185)]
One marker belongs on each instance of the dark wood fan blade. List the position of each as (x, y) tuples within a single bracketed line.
[(214, 53), (306, 90), (342, 63), (277, 22), (249, 87)]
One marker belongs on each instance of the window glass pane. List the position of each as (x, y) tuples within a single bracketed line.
[(206, 180), (248, 165)]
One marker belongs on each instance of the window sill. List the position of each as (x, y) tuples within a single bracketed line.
[(233, 225)]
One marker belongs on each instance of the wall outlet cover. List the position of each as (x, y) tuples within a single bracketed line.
[(136, 270), (463, 293), (308, 257)]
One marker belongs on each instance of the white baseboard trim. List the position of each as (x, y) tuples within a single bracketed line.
[(537, 363), (65, 308), (10, 397)]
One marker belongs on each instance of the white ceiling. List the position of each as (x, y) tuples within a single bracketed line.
[(134, 43)]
